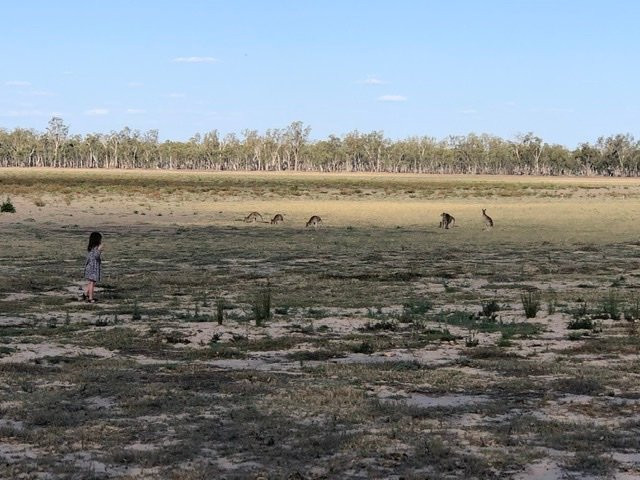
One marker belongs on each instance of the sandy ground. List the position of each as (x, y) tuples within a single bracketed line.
[(338, 350)]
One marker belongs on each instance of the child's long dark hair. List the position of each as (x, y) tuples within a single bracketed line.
[(95, 239)]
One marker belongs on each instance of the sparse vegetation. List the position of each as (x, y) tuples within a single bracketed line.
[(611, 305), (262, 306), (368, 347), (531, 303), (580, 323), (220, 310), (7, 206)]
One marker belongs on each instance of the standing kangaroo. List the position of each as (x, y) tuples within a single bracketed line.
[(278, 218), (447, 220), (488, 221), (314, 222), (253, 217)]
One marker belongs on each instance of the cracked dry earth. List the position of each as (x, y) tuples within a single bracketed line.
[(393, 350)]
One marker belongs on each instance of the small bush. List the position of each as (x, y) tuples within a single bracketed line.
[(611, 305), (530, 303), (584, 323), (262, 306), (136, 314), (415, 307), (7, 206), (632, 312), (364, 347), (38, 202), (573, 336), (220, 311), (489, 309), (582, 309), (381, 325)]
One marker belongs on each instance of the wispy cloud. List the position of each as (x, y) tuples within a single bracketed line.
[(135, 111), (17, 83), (25, 113), (469, 111), (135, 84), (195, 60), (176, 95), (392, 98), (373, 80), (97, 111)]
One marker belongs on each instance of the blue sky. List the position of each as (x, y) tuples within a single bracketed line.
[(566, 69)]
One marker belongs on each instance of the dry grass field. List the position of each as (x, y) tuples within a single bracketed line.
[(377, 346)]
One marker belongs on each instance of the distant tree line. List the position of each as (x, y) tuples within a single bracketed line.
[(290, 149)]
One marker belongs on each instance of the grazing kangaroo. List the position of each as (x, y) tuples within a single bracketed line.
[(253, 217), (314, 221), (278, 218), (447, 220), (488, 221)]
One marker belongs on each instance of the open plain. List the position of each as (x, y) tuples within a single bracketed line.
[(377, 346)]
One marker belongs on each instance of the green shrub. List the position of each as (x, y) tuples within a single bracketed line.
[(7, 206), (262, 306), (364, 347), (584, 323), (633, 311), (489, 309), (611, 305), (220, 311), (530, 303), (136, 314), (415, 307)]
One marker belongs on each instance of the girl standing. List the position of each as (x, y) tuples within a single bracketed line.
[(92, 266)]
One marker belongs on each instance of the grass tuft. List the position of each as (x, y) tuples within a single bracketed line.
[(530, 303), (7, 206), (262, 306)]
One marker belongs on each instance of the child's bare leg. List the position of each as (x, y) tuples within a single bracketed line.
[(90, 285)]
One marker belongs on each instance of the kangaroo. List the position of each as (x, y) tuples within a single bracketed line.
[(488, 221), (314, 222), (278, 218), (447, 220), (253, 217)]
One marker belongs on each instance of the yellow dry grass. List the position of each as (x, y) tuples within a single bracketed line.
[(601, 210)]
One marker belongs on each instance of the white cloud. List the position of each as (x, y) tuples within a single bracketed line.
[(25, 113), (373, 80), (97, 111), (135, 111), (195, 60), (17, 83), (392, 98), (176, 95), (469, 111), (135, 84)]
